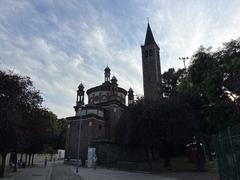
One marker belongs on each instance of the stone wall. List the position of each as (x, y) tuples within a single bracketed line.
[(91, 129)]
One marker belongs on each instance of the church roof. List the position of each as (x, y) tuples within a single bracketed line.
[(149, 39), (105, 87), (114, 78)]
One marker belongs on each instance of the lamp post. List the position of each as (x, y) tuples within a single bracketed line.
[(183, 59), (79, 136), (68, 141)]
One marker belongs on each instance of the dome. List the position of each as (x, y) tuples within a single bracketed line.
[(114, 78)]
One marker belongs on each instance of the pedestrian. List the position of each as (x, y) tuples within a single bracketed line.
[(94, 162), (45, 162), (83, 162), (200, 157), (21, 162)]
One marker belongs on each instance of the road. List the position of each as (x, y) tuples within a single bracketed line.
[(104, 174), (63, 172), (59, 171)]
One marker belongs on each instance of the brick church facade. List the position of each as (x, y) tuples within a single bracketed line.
[(96, 121), (98, 117)]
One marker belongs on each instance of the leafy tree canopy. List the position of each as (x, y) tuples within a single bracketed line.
[(26, 126)]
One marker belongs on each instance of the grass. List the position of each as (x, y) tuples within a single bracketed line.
[(179, 164)]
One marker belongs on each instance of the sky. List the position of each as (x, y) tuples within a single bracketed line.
[(61, 44)]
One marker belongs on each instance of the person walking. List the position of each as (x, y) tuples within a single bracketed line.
[(94, 162), (45, 162)]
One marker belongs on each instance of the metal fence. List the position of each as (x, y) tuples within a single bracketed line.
[(228, 153)]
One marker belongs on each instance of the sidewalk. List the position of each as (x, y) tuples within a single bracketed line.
[(37, 172), (192, 175)]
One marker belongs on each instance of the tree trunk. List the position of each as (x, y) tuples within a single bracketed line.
[(29, 159), (167, 155), (147, 153), (26, 156), (32, 159), (15, 162), (2, 168), (152, 152), (10, 161)]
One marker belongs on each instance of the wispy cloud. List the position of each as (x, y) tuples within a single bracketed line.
[(62, 43)]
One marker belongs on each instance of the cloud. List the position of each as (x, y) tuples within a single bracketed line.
[(61, 44)]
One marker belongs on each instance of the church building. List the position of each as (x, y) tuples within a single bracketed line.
[(96, 121)]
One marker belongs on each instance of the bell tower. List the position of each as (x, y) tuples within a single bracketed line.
[(107, 73), (151, 67), (130, 97), (80, 98)]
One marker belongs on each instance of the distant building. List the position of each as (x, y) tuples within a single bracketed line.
[(96, 121)]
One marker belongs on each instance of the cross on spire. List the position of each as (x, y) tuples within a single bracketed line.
[(149, 39)]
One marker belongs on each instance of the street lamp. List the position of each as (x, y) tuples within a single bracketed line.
[(68, 141), (79, 136), (183, 59)]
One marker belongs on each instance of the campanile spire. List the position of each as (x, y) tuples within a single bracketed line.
[(151, 67), (149, 39)]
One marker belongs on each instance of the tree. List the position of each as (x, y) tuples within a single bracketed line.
[(199, 101), (215, 78), (157, 126), (17, 96), (62, 134), (55, 130), (36, 134), (170, 81)]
